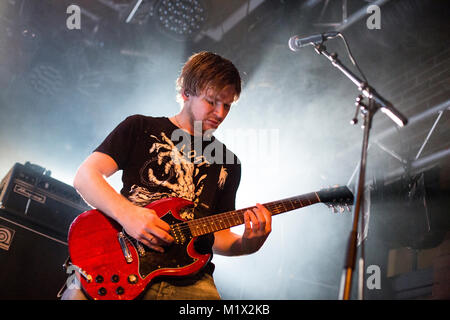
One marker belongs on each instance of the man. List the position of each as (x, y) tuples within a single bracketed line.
[(157, 165)]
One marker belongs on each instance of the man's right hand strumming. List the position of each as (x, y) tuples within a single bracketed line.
[(145, 226), (140, 223)]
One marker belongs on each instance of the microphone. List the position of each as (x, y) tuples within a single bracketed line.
[(295, 42)]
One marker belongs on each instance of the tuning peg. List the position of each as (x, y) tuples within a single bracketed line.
[(341, 209)]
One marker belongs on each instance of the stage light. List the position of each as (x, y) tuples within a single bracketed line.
[(180, 19)]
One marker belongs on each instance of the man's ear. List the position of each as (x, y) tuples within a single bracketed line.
[(185, 95)]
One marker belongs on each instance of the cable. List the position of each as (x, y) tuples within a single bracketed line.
[(352, 59)]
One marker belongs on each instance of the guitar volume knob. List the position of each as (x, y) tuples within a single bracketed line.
[(102, 291), (132, 278), (120, 291)]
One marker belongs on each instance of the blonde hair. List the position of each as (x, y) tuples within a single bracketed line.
[(206, 70)]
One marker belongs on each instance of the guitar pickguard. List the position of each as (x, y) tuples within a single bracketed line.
[(175, 256)]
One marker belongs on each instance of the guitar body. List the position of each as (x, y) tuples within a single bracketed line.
[(96, 248)]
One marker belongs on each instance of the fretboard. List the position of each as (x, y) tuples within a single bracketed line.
[(230, 219)]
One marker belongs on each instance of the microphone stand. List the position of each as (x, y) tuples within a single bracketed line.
[(376, 102)]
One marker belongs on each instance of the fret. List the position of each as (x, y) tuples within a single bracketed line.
[(289, 205), (235, 218), (230, 219), (213, 225), (206, 226), (202, 228), (272, 209), (195, 229), (221, 224)]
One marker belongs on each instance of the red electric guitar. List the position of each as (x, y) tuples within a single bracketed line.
[(111, 265)]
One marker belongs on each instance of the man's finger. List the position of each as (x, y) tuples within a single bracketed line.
[(159, 234), (151, 245), (253, 219)]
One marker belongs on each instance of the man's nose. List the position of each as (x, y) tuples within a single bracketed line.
[(220, 111)]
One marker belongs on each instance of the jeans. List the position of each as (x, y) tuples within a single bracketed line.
[(202, 288)]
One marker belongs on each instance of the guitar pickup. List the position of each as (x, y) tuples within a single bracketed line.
[(140, 249), (123, 245)]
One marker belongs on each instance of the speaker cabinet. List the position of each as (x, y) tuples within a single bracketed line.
[(40, 199), (30, 261)]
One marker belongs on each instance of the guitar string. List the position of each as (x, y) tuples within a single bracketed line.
[(210, 222), (275, 207), (234, 215)]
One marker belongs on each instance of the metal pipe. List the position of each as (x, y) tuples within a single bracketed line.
[(358, 15)]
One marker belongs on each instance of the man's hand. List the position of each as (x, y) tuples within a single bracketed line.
[(140, 223), (258, 225), (145, 226)]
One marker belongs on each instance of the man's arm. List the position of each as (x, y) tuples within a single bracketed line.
[(258, 225), (140, 223)]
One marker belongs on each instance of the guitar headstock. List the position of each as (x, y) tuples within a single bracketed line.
[(338, 198)]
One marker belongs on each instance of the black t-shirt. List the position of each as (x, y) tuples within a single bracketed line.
[(159, 160)]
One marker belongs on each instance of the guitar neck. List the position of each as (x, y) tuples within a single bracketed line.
[(230, 219)]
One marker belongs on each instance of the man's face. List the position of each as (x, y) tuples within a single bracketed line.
[(209, 108)]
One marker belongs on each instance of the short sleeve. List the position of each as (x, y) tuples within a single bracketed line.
[(121, 141)]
